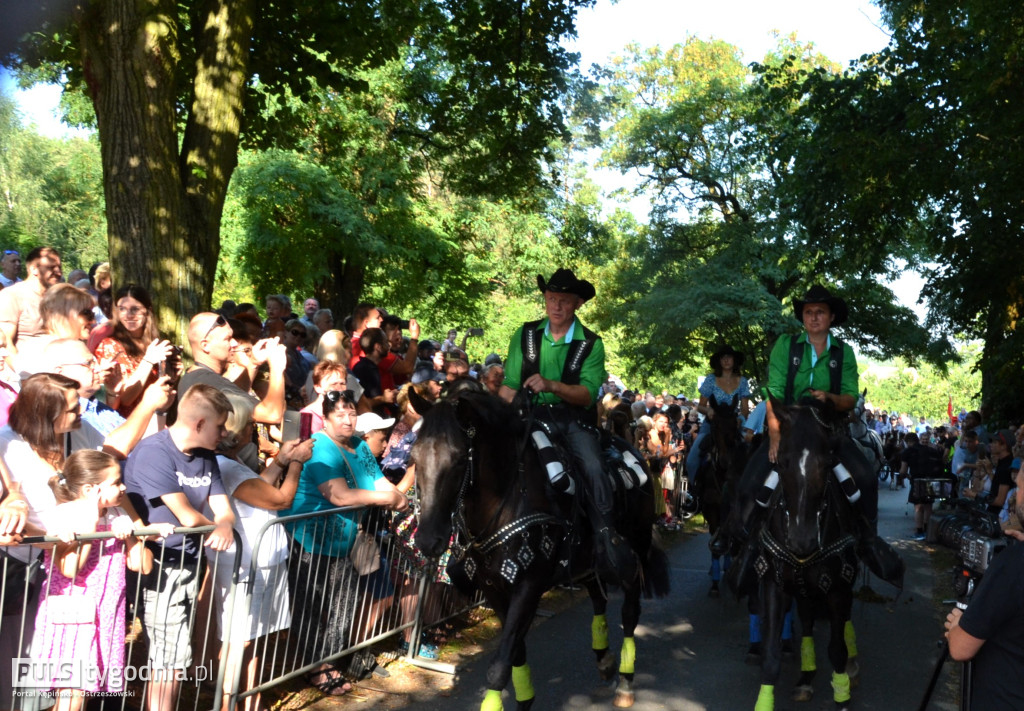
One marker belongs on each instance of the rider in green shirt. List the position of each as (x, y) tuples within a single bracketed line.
[(827, 371), (560, 363)]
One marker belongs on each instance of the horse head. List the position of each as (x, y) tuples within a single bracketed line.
[(458, 434), (808, 447)]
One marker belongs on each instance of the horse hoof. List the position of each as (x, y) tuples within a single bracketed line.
[(607, 667), (853, 671), (754, 654), (624, 699), (803, 693), (714, 591)]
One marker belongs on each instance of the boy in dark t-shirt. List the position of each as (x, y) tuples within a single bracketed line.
[(170, 477)]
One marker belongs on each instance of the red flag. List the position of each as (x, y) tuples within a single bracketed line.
[(949, 410)]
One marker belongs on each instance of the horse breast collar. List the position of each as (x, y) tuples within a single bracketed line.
[(520, 528)]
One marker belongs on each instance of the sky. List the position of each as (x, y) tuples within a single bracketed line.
[(841, 29)]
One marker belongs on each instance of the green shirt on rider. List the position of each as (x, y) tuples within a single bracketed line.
[(813, 373), (552, 361)]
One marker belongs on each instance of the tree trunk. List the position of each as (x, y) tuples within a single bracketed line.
[(130, 52), (164, 208)]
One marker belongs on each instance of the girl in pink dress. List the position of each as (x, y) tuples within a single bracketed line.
[(82, 601)]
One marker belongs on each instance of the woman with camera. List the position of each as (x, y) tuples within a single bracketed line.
[(135, 348)]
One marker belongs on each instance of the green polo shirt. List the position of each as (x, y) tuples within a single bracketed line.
[(811, 374), (552, 362)]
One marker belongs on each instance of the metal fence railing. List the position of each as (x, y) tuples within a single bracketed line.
[(206, 630)]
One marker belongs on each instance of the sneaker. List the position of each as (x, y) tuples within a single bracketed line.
[(426, 650), (920, 536)]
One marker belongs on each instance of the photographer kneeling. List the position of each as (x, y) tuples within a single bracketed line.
[(991, 631)]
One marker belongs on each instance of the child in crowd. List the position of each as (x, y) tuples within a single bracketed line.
[(171, 477), (81, 608)]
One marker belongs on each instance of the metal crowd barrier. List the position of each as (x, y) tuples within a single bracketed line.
[(323, 609), (334, 611), (83, 626)]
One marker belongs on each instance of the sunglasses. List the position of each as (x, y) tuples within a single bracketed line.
[(8, 252), (221, 321), (298, 334), (336, 395)]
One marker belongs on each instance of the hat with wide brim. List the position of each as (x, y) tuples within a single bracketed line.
[(737, 358), (818, 294), (563, 281)]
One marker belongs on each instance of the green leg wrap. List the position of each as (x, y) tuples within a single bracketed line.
[(492, 701), (765, 698), (599, 632), (851, 638), (627, 659), (840, 687), (807, 661), (523, 682)]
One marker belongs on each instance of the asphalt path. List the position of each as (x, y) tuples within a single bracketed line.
[(691, 648)]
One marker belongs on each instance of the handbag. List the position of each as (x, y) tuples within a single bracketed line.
[(668, 477), (364, 553)]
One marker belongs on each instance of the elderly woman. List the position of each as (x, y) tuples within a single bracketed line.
[(723, 384), (135, 347), (255, 499), (341, 473)]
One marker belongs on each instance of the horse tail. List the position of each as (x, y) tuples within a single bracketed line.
[(656, 572)]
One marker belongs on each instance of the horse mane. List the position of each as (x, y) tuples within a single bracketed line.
[(490, 413)]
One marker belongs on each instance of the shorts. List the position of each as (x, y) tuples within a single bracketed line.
[(169, 594)]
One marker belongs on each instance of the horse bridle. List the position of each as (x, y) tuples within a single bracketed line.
[(780, 552), (506, 532)]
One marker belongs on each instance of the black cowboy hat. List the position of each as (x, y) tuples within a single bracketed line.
[(563, 281), (818, 294), (737, 358)]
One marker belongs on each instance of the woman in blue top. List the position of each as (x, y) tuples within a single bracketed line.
[(723, 384), (341, 473)]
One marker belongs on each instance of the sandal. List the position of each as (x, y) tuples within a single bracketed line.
[(331, 682)]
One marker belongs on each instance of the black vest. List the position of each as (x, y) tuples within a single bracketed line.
[(579, 351)]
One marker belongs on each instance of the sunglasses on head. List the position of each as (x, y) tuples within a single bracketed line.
[(8, 252), (221, 321), (335, 395)]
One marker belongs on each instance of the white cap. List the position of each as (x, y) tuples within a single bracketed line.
[(370, 421)]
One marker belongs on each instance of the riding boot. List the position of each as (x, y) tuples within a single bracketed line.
[(876, 553), (613, 556)]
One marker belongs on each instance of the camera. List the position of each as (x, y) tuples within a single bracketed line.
[(404, 324), (476, 332), (972, 531)]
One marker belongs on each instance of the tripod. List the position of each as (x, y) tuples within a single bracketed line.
[(966, 681)]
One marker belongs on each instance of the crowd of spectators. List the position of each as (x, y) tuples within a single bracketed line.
[(83, 368)]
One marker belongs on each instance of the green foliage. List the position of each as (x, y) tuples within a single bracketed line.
[(727, 247), (53, 192), (924, 390)]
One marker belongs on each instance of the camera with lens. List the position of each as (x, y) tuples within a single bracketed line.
[(973, 532)]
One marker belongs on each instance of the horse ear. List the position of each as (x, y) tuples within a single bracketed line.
[(420, 404), (463, 412)]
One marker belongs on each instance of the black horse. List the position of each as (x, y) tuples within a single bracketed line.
[(807, 547), (478, 475), (721, 465)]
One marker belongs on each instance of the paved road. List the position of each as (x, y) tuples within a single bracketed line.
[(691, 648)]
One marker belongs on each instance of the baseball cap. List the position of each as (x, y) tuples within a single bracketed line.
[(425, 373), (370, 421)]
